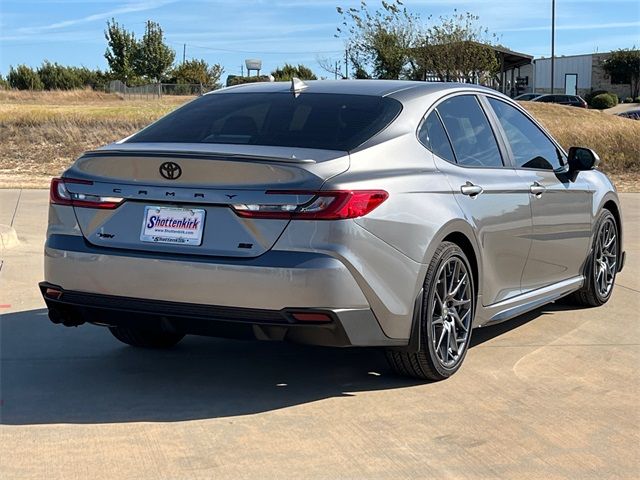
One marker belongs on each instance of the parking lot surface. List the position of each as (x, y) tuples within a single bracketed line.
[(552, 394)]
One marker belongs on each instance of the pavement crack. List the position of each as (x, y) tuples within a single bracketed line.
[(627, 288), (15, 211)]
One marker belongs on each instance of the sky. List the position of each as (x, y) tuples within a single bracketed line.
[(70, 32)]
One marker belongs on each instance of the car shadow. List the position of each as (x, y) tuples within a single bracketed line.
[(52, 374), (484, 334)]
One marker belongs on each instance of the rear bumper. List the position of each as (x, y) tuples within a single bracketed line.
[(345, 328), (218, 297), (272, 281)]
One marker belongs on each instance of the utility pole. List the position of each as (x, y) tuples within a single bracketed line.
[(346, 63), (553, 41), (184, 52)]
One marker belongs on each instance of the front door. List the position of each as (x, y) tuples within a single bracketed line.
[(560, 207)]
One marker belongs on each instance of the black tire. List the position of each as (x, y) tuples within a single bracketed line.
[(590, 295), (426, 364), (146, 338)]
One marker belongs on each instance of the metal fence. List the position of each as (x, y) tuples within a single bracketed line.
[(158, 90)]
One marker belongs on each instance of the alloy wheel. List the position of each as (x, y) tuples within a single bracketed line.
[(451, 312), (606, 257)]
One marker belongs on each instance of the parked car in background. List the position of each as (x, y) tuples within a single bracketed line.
[(571, 100), (525, 97), (392, 214), (633, 114)]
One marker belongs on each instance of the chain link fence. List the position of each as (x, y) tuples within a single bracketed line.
[(158, 90)]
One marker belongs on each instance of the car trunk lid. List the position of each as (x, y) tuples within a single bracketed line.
[(209, 181)]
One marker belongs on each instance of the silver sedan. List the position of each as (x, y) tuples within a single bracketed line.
[(392, 214)]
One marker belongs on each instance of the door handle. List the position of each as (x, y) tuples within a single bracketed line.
[(537, 189), (471, 190)]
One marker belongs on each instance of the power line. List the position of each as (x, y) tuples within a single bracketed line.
[(252, 52)]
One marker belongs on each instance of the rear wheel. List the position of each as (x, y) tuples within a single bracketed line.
[(447, 315), (602, 266), (146, 338)]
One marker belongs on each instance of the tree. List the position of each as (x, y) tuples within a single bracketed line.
[(59, 77), (197, 71), (96, 79), (624, 65), (287, 72), (121, 52), (24, 78), (332, 66), (455, 49), (379, 42), (153, 58)]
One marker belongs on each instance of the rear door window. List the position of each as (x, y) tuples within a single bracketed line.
[(531, 148), (473, 140)]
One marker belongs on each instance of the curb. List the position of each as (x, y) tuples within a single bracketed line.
[(8, 237)]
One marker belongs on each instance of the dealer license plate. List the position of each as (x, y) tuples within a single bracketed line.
[(179, 226)]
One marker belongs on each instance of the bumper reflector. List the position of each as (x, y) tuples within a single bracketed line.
[(311, 317), (53, 293)]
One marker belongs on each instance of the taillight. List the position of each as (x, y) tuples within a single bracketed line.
[(60, 195), (329, 205)]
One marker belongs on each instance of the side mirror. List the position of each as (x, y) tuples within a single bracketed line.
[(581, 159)]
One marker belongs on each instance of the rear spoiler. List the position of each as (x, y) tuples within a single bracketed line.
[(193, 154)]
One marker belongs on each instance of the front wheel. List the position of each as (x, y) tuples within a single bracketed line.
[(602, 265), (146, 338), (447, 316)]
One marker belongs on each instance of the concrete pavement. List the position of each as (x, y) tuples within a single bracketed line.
[(553, 394)]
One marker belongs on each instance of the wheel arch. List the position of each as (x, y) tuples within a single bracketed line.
[(458, 231), (465, 244), (610, 202)]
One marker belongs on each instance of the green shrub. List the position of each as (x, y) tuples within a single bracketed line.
[(24, 78), (286, 73), (591, 95), (628, 100), (58, 77), (4, 84), (603, 101), (636, 100), (96, 79), (237, 80)]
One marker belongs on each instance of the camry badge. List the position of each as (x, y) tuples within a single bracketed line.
[(170, 170)]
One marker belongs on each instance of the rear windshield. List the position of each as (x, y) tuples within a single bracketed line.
[(310, 120)]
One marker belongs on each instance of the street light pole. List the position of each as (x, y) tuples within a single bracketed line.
[(553, 40)]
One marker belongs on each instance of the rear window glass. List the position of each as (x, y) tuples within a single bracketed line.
[(324, 121)]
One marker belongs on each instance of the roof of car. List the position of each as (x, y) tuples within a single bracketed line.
[(379, 88)]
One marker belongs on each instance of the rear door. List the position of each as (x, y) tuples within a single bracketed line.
[(561, 206), (493, 197)]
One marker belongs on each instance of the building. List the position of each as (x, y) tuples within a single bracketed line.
[(573, 74)]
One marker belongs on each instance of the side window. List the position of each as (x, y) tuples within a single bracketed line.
[(433, 136), (474, 143), (531, 148)]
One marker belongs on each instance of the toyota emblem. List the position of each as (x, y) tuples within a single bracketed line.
[(170, 170)]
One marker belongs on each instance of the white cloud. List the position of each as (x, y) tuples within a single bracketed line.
[(131, 7)]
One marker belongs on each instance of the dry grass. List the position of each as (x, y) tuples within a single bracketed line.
[(615, 139), (41, 133)]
